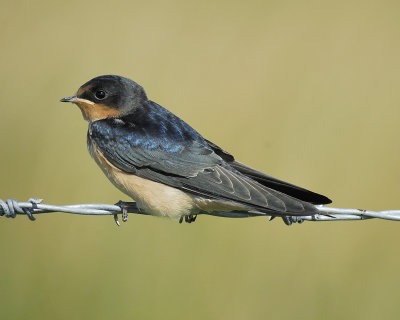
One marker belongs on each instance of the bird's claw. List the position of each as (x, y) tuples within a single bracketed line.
[(289, 220), (189, 218), (116, 219), (124, 208)]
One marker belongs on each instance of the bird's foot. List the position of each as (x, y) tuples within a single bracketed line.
[(288, 220), (189, 218), (124, 208)]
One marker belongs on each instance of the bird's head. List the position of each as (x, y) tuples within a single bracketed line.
[(107, 97)]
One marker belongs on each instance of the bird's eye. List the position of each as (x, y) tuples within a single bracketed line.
[(100, 94)]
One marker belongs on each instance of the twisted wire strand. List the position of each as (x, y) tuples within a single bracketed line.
[(11, 208)]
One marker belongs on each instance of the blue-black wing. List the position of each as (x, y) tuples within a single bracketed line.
[(155, 144), (153, 138), (269, 181)]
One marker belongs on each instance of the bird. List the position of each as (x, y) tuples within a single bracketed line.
[(168, 168)]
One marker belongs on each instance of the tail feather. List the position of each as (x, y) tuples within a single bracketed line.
[(270, 182)]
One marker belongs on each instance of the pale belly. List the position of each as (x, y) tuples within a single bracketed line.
[(158, 199)]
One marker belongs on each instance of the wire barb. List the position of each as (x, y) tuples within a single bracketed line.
[(11, 208)]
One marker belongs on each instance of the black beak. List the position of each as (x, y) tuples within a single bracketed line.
[(68, 99)]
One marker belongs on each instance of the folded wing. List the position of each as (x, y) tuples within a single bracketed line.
[(175, 155), (269, 181)]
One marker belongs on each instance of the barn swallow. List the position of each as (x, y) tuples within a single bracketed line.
[(167, 167)]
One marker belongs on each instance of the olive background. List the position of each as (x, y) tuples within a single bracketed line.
[(307, 91)]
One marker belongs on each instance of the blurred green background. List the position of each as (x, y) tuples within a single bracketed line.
[(307, 91)]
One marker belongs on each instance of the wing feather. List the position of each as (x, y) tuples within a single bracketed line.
[(269, 181), (189, 164)]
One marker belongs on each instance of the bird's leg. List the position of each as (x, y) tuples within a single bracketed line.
[(189, 218), (287, 220), (125, 206)]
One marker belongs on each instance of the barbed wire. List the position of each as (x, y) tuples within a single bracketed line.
[(11, 208)]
